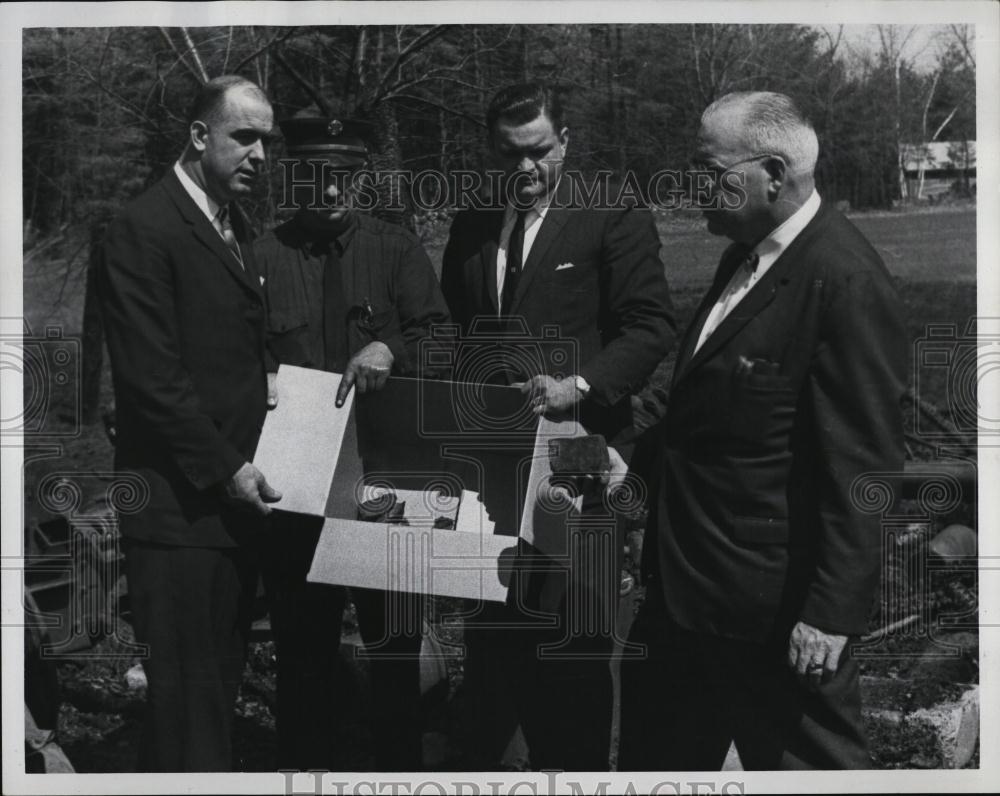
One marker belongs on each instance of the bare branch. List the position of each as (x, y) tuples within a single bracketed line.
[(178, 53), (194, 54), (277, 39), (306, 86), (412, 49), (927, 103), (229, 46), (962, 36), (432, 104)]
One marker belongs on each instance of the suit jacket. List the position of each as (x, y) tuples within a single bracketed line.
[(612, 305), (185, 331), (757, 520), (615, 323)]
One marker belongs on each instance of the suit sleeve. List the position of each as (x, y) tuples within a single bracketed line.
[(452, 277), (263, 260), (420, 306), (856, 386), (639, 317), (137, 297)]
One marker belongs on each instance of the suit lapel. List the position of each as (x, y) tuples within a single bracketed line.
[(549, 231), (206, 234), (552, 226), (759, 297), (488, 255), (241, 227), (722, 276)]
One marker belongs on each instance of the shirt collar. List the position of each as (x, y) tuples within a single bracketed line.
[(781, 237), (319, 242), (205, 202), (540, 208)]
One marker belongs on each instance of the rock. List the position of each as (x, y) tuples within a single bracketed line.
[(135, 678), (907, 728), (954, 542), (956, 727)]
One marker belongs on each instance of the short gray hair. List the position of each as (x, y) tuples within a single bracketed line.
[(772, 123)]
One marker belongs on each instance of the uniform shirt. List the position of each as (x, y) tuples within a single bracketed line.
[(767, 251), (390, 290)]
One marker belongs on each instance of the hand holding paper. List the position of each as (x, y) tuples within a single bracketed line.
[(249, 488), (550, 396)]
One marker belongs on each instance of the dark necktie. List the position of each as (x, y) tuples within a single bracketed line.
[(515, 247), (226, 228), (739, 256), (334, 314)]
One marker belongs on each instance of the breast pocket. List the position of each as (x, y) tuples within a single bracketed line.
[(288, 338), (369, 324), (572, 276), (761, 406)]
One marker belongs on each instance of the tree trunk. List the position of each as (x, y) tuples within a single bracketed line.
[(93, 332)]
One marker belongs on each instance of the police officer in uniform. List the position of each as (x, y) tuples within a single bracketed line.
[(346, 293)]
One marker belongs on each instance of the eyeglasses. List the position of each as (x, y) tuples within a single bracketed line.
[(718, 171)]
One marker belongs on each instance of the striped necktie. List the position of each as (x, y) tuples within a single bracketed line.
[(225, 228)]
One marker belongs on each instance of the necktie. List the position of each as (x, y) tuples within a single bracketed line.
[(226, 230), (515, 247), (334, 314), (735, 274)]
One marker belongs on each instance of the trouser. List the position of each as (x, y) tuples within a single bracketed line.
[(192, 606), (42, 754), (543, 659), (694, 694), (562, 703), (306, 621)]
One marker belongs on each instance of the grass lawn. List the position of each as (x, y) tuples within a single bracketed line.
[(932, 255)]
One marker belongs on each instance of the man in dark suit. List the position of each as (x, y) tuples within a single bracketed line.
[(184, 315), (350, 294), (760, 562), (547, 257)]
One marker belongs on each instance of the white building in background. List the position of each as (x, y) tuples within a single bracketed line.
[(933, 168)]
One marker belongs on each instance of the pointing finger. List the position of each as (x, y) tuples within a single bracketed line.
[(345, 386)]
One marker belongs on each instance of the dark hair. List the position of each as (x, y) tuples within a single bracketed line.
[(523, 103), (211, 97)]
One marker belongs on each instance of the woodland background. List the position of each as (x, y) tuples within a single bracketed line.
[(104, 109)]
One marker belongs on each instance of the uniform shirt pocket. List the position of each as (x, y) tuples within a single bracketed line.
[(281, 321), (288, 339)]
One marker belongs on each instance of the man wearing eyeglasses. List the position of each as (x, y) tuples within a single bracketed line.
[(761, 563)]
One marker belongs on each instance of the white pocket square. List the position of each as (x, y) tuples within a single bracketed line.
[(565, 266), (262, 280)]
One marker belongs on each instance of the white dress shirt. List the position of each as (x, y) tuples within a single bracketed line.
[(532, 223), (767, 251), (205, 203)]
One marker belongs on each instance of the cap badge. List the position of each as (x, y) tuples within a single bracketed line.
[(335, 127)]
